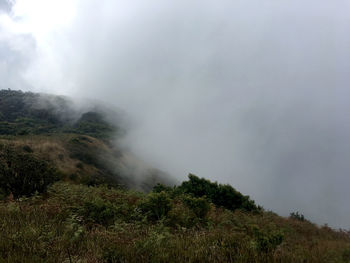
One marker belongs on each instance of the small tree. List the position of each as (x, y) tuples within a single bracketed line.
[(22, 174)]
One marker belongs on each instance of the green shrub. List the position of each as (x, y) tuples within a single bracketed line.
[(266, 241), (269, 242), (199, 205), (188, 211), (99, 211), (22, 174), (181, 216), (221, 195), (156, 205)]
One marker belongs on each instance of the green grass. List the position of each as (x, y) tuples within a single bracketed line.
[(77, 223)]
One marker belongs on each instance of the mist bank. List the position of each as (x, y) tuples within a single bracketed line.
[(251, 93)]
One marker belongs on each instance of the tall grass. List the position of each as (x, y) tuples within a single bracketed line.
[(66, 225)]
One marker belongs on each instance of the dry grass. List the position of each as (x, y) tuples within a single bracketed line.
[(51, 228), (55, 149)]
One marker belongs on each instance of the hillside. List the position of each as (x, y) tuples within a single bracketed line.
[(80, 144), (68, 193), (23, 113), (77, 223)]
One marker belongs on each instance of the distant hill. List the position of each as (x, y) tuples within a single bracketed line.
[(78, 143), (23, 113)]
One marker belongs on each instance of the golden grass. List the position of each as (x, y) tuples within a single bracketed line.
[(54, 149)]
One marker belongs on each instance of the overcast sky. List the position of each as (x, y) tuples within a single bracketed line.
[(254, 93)]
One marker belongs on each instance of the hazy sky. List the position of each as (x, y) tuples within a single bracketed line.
[(254, 93)]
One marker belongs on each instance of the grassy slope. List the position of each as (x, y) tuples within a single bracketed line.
[(73, 222), (77, 142), (87, 160), (55, 227)]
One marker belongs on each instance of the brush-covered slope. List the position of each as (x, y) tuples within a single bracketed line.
[(77, 223), (78, 142), (65, 197)]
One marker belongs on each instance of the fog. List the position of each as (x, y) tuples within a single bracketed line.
[(252, 93)]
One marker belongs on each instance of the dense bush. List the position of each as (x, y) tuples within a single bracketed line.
[(22, 174), (221, 195), (156, 205), (199, 205), (191, 200), (268, 242), (98, 211), (188, 211)]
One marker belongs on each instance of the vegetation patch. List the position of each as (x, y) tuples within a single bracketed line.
[(61, 201), (25, 113), (220, 195), (77, 223), (22, 174)]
